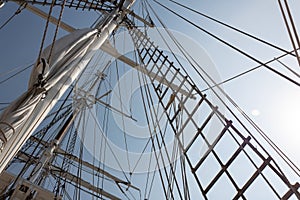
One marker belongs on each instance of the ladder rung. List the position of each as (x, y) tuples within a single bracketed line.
[(190, 115), (163, 75), (159, 55), (168, 84), (292, 190), (161, 65), (253, 177), (212, 145), (199, 131), (225, 167), (140, 40), (148, 54), (175, 115)]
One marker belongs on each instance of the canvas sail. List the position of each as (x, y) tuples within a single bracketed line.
[(48, 81)]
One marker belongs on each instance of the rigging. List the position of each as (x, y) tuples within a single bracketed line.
[(170, 105), (231, 46)]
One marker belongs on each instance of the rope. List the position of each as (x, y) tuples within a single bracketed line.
[(230, 45), (266, 138), (57, 28), (292, 23), (121, 107), (28, 162), (252, 69), (22, 70), (153, 146), (233, 28), (18, 11), (155, 123), (288, 28), (45, 31), (110, 148), (288, 68), (81, 146)]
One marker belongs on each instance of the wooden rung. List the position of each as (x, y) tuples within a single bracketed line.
[(225, 167), (159, 55), (199, 131), (293, 190), (253, 177), (175, 115), (212, 146), (161, 65), (163, 74), (190, 115), (168, 84)]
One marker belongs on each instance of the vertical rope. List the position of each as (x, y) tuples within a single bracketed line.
[(292, 22), (56, 30), (288, 29), (45, 31)]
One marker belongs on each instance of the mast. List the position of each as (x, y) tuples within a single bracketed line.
[(38, 101)]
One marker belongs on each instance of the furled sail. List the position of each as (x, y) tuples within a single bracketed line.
[(12, 118), (48, 81), (68, 52)]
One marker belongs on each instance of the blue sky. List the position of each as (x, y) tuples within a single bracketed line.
[(271, 101)]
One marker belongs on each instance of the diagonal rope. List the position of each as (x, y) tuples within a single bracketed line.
[(18, 11), (56, 29), (233, 28), (252, 69), (45, 30), (288, 68), (162, 144), (121, 107), (289, 29), (286, 159), (15, 74), (230, 45)]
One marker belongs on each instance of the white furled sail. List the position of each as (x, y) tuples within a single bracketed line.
[(12, 119), (48, 82), (69, 51)]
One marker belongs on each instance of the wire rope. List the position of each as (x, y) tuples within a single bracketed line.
[(230, 45), (287, 67), (17, 73), (18, 11), (257, 168), (156, 121), (110, 148), (250, 70), (233, 28), (28, 162), (293, 24), (289, 29), (152, 140), (266, 138), (121, 107)]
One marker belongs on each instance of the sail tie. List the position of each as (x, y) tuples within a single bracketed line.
[(43, 69), (3, 137)]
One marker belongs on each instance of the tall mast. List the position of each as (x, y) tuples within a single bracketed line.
[(13, 137)]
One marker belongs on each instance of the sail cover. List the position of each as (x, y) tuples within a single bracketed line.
[(69, 53)]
